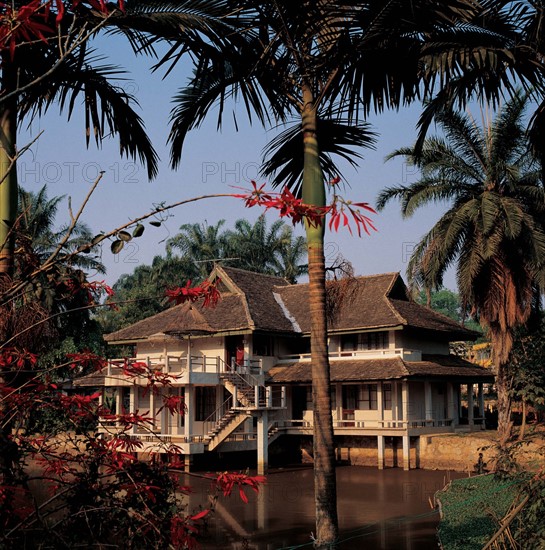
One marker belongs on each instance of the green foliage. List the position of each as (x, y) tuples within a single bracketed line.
[(448, 303), (526, 365), (469, 507)]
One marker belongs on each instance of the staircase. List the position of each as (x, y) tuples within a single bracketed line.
[(250, 393), (224, 427)]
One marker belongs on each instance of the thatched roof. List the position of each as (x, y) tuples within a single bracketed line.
[(394, 368), (256, 302)]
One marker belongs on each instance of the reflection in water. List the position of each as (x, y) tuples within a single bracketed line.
[(387, 509)]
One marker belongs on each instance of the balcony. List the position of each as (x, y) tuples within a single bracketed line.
[(403, 353)]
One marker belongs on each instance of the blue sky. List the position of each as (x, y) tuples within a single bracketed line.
[(212, 162)]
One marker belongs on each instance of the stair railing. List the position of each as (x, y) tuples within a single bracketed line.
[(213, 420)]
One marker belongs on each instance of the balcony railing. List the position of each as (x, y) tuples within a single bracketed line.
[(404, 353)]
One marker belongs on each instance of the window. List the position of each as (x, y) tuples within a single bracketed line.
[(387, 397), (263, 345), (350, 394), (367, 397), (205, 402), (309, 398), (364, 341)]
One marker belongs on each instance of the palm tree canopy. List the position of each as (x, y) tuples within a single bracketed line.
[(492, 230)]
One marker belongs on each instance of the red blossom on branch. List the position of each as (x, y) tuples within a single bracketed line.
[(288, 205), (226, 482), (86, 359), (14, 358), (206, 290), (182, 530), (174, 404)]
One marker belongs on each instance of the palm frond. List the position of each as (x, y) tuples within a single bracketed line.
[(284, 154)]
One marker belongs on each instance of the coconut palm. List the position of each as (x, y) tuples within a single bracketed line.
[(493, 229), (202, 243), (323, 66), (272, 250)]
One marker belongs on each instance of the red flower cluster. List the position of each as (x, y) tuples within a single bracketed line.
[(87, 360), (290, 206), (14, 358), (206, 290), (286, 203), (31, 22), (226, 482)]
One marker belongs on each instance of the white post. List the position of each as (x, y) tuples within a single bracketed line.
[(283, 396), (405, 401), (470, 404), (380, 446), (262, 442), (451, 404), (269, 396), (395, 403), (428, 401), (406, 452), (190, 410), (133, 397), (380, 406), (481, 401)]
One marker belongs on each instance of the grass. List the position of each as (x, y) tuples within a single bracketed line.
[(470, 506)]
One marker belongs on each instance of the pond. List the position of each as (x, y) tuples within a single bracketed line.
[(388, 509)]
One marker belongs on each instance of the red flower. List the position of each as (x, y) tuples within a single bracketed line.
[(206, 290), (226, 482), (86, 359), (14, 358)]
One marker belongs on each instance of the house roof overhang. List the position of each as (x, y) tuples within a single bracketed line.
[(437, 367)]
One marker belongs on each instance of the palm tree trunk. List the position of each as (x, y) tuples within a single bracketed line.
[(8, 170), (503, 405), (325, 489)]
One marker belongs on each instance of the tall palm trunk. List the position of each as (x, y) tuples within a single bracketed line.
[(325, 490), (8, 169)]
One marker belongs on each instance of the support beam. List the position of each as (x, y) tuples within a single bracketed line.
[(470, 404), (381, 447), (190, 410), (133, 398), (480, 393), (406, 452), (451, 404), (262, 442), (405, 401), (428, 404)]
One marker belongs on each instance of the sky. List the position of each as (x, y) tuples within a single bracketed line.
[(213, 161)]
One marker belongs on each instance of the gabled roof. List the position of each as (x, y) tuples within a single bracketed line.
[(247, 303), (257, 302)]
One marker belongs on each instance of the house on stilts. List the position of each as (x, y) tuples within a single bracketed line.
[(243, 369)]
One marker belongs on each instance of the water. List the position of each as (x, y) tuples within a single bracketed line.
[(388, 509)]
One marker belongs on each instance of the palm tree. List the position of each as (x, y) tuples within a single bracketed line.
[(46, 60), (325, 65), (202, 243), (493, 229), (272, 250)]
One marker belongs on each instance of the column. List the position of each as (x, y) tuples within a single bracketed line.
[(152, 411), (380, 446), (470, 404), (133, 395), (262, 442), (406, 452), (395, 403), (190, 410), (380, 406), (451, 404), (428, 401), (480, 393), (405, 402)]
